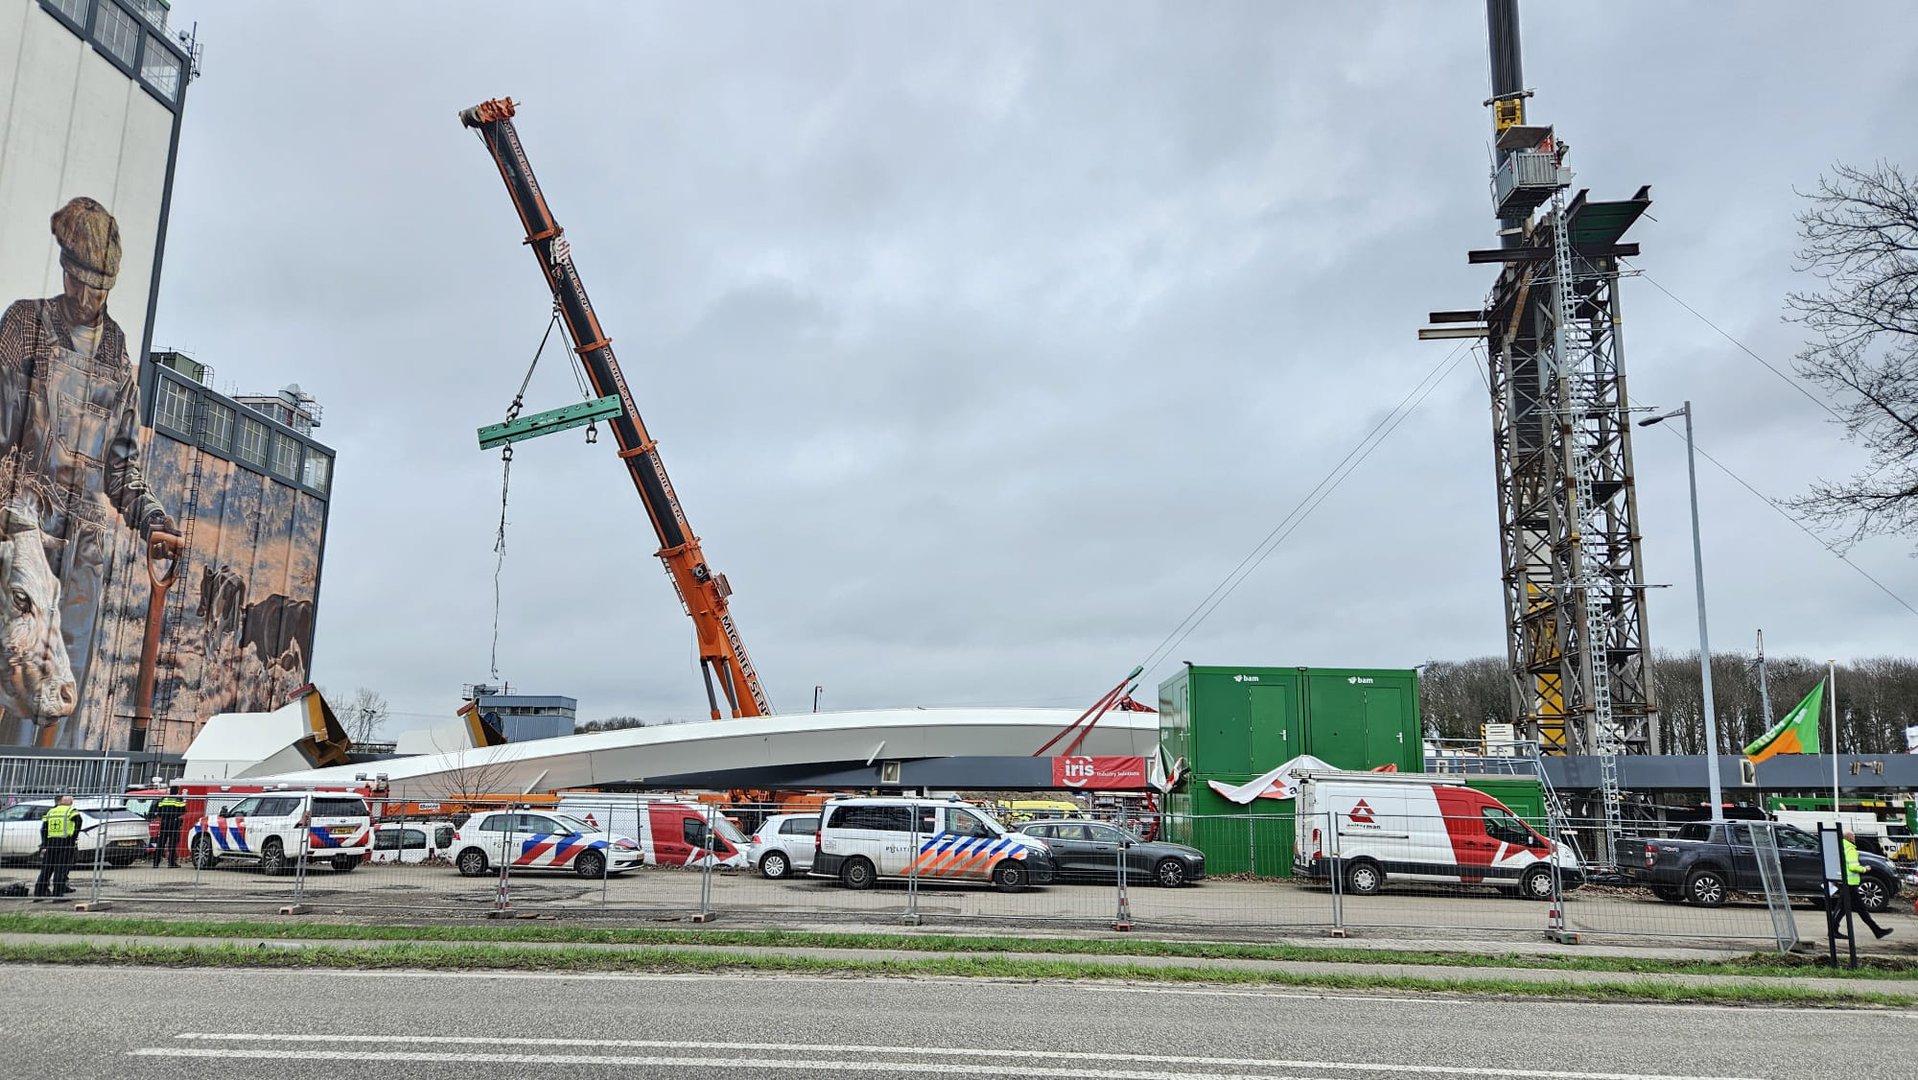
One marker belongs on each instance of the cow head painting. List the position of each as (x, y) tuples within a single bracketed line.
[(36, 679)]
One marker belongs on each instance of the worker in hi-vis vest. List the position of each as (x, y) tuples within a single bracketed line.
[(59, 839), (1844, 899)]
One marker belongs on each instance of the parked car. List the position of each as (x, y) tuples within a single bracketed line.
[(864, 840), (1706, 861), (1089, 851), (276, 829), (540, 840), (410, 841), (782, 845), (122, 832)]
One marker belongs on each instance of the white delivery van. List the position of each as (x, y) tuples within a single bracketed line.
[(1378, 827)]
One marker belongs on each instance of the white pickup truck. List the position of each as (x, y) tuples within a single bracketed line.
[(121, 831)]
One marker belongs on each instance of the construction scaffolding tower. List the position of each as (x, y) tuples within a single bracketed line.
[(1573, 573)]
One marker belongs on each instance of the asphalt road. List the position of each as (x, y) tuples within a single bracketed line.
[(1213, 908), (146, 1024)]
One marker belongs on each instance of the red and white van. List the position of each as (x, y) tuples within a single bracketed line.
[(670, 833), (1380, 827)]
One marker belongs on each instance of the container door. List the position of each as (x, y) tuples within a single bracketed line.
[(1222, 730), (1275, 733), (1336, 732), (1385, 729)]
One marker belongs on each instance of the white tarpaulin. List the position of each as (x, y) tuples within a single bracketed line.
[(1276, 784)]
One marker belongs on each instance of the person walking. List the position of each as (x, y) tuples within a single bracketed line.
[(59, 839), (169, 810), (1854, 876)]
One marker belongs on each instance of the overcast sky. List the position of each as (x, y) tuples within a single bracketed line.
[(981, 341)]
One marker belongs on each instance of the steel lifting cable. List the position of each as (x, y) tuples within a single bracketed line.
[(1310, 502), (505, 482)]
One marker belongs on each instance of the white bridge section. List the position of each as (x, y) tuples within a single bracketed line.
[(633, 755)]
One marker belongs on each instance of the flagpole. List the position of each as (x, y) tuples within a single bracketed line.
[(1832, 665)]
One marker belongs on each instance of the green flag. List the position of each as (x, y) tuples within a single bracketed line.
[(1797, 733)]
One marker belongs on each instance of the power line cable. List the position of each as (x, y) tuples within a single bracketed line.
[(1788, 380), (1306, 505), (1762, 497), (1802, 527)]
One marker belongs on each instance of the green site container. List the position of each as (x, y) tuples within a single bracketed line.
[(1232, 724), (1236, 839), (1235, 724)]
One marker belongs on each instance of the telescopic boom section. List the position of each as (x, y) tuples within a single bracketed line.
[(703, 593)]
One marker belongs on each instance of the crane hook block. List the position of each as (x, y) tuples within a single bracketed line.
[(528, 427)]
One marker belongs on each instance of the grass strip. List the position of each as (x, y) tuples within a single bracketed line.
[(667, 960), (528, 932)]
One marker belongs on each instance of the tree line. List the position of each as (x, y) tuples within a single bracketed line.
[(1877, 699)]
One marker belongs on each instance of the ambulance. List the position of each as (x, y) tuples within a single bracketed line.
[(1404, 827), (669, 832)]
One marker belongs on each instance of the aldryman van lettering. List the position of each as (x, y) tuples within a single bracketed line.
[(1377, 828)]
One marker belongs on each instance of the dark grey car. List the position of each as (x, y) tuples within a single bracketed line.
[(1089, 851)]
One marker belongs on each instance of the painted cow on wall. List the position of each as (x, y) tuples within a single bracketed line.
[(280, 629), (222, 599), (36, 678)]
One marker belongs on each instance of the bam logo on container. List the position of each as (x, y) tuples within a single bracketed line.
[(1359, 680), (1245, 678), (1361, 814)]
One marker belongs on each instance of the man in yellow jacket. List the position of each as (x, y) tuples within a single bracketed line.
[(1846, 901), (59, 839)]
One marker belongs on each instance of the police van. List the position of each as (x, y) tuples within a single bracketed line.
[(865, 840), (274, 829)]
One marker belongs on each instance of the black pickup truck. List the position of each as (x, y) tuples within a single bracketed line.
[(1706, 862)]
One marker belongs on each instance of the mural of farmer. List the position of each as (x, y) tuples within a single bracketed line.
[(70, 462)]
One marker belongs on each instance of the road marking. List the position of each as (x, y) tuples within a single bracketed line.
[(1290, 995), (1011, 1068), (792, 1050)]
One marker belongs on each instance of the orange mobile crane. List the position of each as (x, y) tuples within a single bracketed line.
[(703, 593)]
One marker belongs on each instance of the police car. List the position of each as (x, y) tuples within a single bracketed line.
[(871, 839), (276, 828), (539, 840)]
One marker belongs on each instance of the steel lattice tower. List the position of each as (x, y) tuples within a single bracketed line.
[(1572, 569)]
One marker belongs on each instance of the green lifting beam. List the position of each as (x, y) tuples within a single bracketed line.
[(529, 427)]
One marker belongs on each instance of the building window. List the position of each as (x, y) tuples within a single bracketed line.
[(153, 11), (117, 33), (161, 69), (219, 427), (319, 471), (175, 408), (252, 442), (74, 9), (286, 457)]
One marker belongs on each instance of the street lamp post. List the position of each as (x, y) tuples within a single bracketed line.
[(1704, 641)]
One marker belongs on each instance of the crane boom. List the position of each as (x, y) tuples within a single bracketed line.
[(722, 655)]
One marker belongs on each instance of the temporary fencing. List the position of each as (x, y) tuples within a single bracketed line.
[(1265, 875)]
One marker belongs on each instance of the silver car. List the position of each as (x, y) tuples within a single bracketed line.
[(783, 845)]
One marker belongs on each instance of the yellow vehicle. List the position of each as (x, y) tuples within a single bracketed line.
[(1018, 810)]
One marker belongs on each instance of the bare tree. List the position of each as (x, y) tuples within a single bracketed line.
[(1860, 236), (363, 715)]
